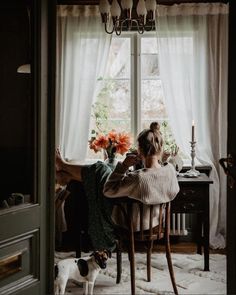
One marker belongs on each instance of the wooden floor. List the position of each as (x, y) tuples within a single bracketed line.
[(176, 247), (186, 247)]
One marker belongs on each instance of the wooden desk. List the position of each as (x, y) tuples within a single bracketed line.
[(194, 198)]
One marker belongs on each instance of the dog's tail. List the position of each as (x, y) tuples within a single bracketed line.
[(56, 271)]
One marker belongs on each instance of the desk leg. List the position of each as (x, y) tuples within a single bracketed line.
[(206, 231), (199, 233)]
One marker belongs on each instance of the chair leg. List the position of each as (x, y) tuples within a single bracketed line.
[(149, 254), (131, 255), (132, 270), (128, 253), (170, 266), (118, 262)]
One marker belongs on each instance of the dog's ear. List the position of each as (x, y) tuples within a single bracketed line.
[(108, 252), (56, 270), (83, 267), (94, 253)]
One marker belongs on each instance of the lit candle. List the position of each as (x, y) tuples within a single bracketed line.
[(193, 126)]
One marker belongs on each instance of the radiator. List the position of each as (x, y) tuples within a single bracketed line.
[(178, 225)]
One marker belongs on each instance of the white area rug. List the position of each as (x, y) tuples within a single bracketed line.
[(190, 277)]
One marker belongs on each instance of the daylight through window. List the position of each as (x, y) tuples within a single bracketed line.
[(130, 94)]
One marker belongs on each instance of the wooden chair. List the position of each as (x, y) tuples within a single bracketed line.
[(146, 237)]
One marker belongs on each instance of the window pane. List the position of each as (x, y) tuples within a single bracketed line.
[(112, 107), (152, 103), (149, 45), (115, 97), (152, 99), (152, 96), (119, 59), (149, 59), (149, 66)]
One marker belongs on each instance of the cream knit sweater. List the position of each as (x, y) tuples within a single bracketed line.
[(148, 185)]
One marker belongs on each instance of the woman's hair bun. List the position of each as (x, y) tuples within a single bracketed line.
[(150, 141), (155, 126)]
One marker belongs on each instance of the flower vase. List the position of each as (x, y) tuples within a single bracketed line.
[(112, 161)]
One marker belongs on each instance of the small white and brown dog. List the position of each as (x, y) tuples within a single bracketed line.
[(83, 270)]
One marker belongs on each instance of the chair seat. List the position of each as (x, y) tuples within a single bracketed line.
[(138, 235)]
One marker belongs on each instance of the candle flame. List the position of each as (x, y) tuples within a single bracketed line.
[(192, 122)]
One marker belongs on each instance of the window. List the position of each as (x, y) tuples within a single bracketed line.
[(130, 95)]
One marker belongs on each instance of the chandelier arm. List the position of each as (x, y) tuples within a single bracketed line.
[(106, 30), (120, 28), (140, 31), (148, 29), (118, 33)]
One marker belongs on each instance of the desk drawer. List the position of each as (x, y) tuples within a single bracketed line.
[(189, 199)]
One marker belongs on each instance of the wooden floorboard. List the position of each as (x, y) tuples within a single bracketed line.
[(186, 247), (176, 247)]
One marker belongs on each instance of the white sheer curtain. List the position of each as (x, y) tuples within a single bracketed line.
[(82, 52), (192, 42)]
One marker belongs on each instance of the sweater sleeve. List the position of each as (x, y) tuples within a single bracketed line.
[(120, 183), (174, 185)]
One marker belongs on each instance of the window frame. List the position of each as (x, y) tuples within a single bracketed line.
[(135, 79)]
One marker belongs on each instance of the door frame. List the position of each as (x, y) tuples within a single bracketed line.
[(47, 51), (231, 193)]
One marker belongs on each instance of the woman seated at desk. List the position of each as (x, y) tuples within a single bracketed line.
[(153, 184)]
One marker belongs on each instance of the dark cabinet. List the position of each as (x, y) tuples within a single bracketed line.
[(193, 199)]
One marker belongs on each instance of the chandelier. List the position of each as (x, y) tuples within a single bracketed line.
[(124, 17)]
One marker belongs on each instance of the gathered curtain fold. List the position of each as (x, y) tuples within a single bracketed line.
[(193, 58), (82, 54)]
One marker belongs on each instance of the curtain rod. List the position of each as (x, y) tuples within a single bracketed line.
[(163, 2)]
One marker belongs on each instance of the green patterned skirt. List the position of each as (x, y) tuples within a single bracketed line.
[(100, 225)]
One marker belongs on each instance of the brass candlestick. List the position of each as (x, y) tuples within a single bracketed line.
[(192, 172)]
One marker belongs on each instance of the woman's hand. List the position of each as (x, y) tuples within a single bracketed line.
[(165, 156), (131, 160)]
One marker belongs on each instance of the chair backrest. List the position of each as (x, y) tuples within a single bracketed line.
[(153, 232)]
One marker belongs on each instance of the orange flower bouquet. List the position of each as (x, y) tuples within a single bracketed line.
[(112, 143)]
